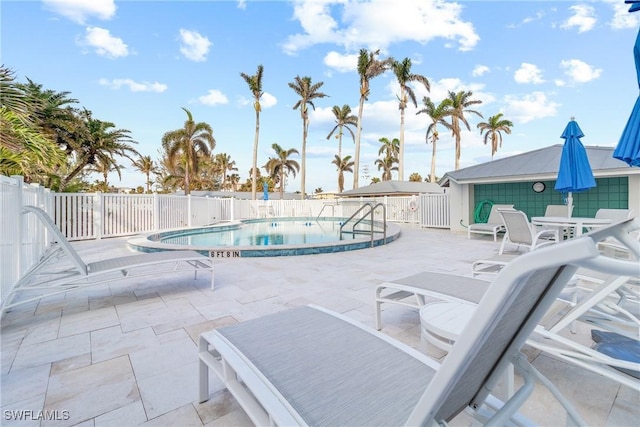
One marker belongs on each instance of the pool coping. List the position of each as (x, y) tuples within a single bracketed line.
[(142, 242)]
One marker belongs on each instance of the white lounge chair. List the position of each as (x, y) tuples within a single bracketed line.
[(46, 279), (520, 232), (603, 306), (309, 366), (493, 226)]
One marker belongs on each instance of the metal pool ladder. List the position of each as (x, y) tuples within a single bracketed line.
[(370, 209)]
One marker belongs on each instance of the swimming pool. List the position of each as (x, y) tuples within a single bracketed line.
[(265, 237)]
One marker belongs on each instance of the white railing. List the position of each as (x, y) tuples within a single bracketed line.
[(23, 240)]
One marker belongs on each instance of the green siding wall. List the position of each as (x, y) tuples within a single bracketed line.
[(612, 193)]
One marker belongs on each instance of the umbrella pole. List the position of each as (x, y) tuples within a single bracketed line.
[(569, 204)]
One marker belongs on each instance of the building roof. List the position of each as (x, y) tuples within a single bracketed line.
[(537, 164), (394, 188)]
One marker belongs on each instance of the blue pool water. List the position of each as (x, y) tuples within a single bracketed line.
[(266, 237), (262, 233)]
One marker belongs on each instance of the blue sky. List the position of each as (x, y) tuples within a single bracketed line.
[(136, 63)]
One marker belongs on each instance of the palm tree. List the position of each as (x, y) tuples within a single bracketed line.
[(387, 164), (343, 165), (403, 73), (344, 119), (224, 164), (25, 149), (281, 165), (415, 177), (437, 115), (494, 126), (255, 86), (147, 166), (389, 148), (234, 180), (104, 166), (307, 92), (368, 68), (459, 103), (191, 141), (95, 142)]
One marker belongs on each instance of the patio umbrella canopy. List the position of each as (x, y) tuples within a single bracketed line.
[(265, 191), (574, 174), (628, 149)]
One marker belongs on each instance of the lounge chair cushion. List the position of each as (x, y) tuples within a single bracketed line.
[(308, 355), (619, 347)]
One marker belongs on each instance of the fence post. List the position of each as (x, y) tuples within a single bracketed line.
[(19, 227), (156, 211), (98, 214), (232, 209)]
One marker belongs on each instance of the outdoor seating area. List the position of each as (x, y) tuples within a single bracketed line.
[(139, 338)]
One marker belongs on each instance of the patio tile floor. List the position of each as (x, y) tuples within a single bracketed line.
[(126, 354)]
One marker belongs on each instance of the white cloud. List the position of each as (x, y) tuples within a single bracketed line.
[(267, 100), (529, 19), (341, 63), (242, 4), (194, 46), (134, 86), (528, 73), (583, 18), (579, 71), (621, 18), (479, 70), (213, 97), (379, 24), (532, 106), (79, 11), (104, 43)]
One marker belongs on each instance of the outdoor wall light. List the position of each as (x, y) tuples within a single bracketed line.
[(538, 187)]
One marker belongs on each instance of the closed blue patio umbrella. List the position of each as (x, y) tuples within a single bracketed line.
[(265, 191), (628, 149), (574, 174)]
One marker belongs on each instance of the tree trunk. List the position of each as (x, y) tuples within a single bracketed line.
[(433, 163), (305, 124), (255, 157), (401, 151), (64, 182), (356, 159)]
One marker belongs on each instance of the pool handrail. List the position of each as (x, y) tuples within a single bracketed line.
[(370, 213)]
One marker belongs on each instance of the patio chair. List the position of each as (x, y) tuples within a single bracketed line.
[(309, 366), (520, 232), (46, 278), (493, 226), (558, 210)]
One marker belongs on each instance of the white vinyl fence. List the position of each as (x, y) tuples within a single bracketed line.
[(23, 240), (84, 216)]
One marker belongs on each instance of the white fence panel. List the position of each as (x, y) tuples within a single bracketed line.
[(173, 212), (126, 214), (74, 215), (434, 210), (23, 240)]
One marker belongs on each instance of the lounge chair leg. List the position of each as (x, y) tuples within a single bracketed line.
[(203, 372)]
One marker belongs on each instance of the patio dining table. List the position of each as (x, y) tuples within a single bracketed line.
[(575, 223)]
